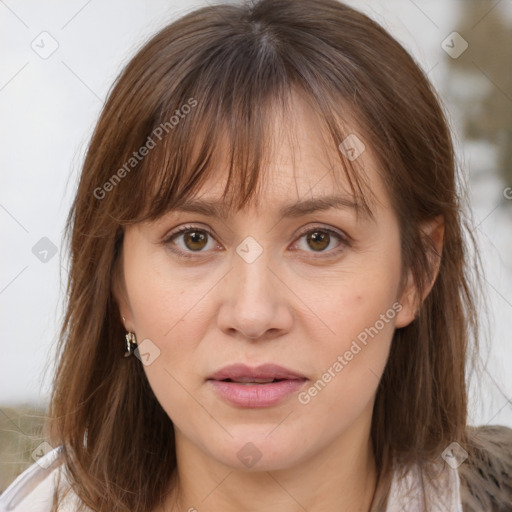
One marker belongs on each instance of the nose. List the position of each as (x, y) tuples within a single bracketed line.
[(254, 301)]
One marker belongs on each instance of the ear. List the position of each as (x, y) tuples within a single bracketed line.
[(410, 300), (118, 286)]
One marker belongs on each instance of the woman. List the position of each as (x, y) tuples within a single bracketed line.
[(267, 221)]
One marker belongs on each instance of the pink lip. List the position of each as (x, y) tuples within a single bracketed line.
[(256, 395), (264, 371)]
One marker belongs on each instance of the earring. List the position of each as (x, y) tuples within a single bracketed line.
[(131, 344)]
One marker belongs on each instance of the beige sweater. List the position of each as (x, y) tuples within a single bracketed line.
[(482, 483)]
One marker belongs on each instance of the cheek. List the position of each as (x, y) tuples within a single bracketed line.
[(360, 299), (172, 307), (352, 354), (162, 300), (167, 310), (349, 366)]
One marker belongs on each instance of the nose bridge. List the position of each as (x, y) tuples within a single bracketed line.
[(252, 277), (252, 305)]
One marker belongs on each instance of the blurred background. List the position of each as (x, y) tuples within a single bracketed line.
[(59, 60)]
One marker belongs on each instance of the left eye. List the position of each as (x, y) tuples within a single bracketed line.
[(319, 239), (195, 239)]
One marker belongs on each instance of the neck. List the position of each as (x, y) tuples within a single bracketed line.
[(343, 476)]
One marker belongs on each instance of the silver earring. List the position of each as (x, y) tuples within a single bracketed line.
[(131, 344)]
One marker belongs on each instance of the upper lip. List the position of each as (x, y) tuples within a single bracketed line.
[(264, 371)]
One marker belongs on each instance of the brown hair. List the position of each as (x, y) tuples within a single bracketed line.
[(231, 65)]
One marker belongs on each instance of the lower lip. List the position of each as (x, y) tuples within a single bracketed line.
[(256, 395)]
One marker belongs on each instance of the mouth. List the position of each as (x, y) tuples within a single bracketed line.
[(263, 386), (249, 381), (263, 374)]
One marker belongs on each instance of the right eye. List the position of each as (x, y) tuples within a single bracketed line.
[(189, 240)]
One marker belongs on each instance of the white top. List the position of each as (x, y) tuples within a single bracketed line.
[(406, 496), (32, 491)]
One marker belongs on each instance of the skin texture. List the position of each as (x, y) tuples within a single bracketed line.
[(291, 306)]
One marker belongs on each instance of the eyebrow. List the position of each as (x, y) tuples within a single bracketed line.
[(215, 208)]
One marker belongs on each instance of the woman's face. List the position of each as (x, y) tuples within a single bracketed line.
[(315, 292)]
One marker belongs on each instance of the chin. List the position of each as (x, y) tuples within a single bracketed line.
[(259, 451)]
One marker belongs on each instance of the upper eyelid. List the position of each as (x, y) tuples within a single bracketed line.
[(301, 230)]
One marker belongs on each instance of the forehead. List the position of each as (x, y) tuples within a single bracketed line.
[(295, 164), (302, 171)]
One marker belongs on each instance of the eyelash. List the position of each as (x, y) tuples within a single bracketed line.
[(344, 241)]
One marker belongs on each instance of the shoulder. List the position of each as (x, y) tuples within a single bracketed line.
[(34, 489), (474, 481), (419, 488), (486, 474)]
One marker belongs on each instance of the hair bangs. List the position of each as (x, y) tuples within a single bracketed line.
[(235, 127)]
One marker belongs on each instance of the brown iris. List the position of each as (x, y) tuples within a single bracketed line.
[(195, 240), (318, 240)]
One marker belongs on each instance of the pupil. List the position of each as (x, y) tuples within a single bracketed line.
[(319, 239), (195, 237)]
